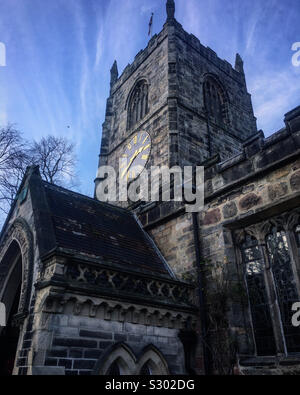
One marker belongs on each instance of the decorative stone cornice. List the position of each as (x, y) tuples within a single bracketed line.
[(102, 280), (53, 301)]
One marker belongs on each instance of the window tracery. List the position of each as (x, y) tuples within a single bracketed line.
[(270, 253), (138, 104), (215, 100)]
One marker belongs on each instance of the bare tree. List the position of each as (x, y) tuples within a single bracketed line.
[(54, 155), (56, 158), (13, 162)]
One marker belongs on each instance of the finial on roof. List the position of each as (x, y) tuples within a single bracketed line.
[(114, 74), (239, 64), (170, 9)]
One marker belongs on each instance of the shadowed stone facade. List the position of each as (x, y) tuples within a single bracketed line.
[(246, 195), (204, 116), (90, 285)]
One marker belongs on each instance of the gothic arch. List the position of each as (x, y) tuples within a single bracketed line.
[(18, 236), (121, 358), (215, 98), (267, 257), (286, 221), (156, 362), (137, 102), (119, 354)]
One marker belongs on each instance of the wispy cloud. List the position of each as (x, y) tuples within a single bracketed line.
[(273, 95), (252, 29), (147, 8), (99, 46), (59, 54)]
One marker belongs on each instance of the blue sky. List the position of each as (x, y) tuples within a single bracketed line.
[(59, 53)]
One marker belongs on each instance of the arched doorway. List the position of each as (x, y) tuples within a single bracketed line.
[(10, 296)]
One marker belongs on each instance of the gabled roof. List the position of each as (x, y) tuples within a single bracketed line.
[(89, 228), (106, 251)]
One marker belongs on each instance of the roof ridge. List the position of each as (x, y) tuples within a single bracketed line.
[(87, 197)]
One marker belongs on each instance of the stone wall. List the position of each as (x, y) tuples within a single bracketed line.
[(77, 343), (201, 136), (264, 174), (258, 184), (78, 324)]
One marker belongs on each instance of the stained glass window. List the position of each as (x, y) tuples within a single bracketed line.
[(280, 260), (259, 304)]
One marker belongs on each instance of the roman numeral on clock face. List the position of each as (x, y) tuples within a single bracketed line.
[(137, 153)]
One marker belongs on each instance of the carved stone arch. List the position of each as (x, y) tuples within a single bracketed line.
[(119, 353), (218, 81), (286, 221), (259, 231), (139, 80), (137, 103), (292, 220), (154, 360), (20, 233), (215, 95)]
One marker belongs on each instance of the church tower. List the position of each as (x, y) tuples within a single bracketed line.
[(192, 104)]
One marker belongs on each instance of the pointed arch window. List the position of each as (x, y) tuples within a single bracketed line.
[(258, 298), (284, 282), (146, 370), (215, 102), (121, 361), (138, 104), (114, 369), (270, 272)]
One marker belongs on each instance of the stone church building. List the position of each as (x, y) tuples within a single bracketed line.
[(139, 288)]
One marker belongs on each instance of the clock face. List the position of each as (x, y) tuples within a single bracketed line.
[(135, 156)]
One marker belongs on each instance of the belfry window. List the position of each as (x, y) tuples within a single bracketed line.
[(138, 104), (214, 100)]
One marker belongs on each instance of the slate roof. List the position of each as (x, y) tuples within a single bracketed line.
[(85, 226)]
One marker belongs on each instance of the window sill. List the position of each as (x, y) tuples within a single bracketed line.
[(271, 361)]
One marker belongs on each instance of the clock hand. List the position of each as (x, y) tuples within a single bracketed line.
[(137, 152), (130, 162)]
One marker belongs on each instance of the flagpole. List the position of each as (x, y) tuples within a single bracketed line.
[(150, 25)]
